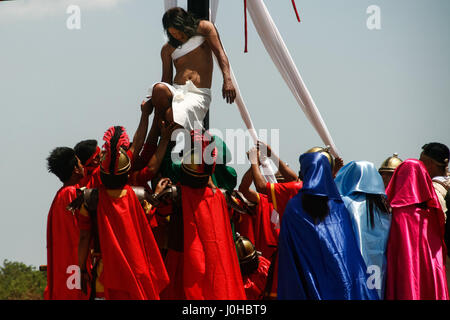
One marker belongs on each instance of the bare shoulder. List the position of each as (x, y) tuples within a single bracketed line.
[(167, 50), (205, 27)]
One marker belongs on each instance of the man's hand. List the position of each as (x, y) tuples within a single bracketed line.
[(228, 91), (85, 279), (253, 156), (147, 106), (162, 184), (265, 148)]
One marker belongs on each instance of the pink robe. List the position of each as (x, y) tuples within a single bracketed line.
[(416, 250)]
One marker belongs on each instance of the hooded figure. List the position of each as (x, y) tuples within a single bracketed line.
[(416, 249), (362, 191), (318, 255)]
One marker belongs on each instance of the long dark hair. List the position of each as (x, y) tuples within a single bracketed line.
[(181, 20), (379, 201), (315, 206)]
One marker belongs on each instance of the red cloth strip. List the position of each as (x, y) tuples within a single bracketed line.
[(295, 9), (96, 153), (245, 24)]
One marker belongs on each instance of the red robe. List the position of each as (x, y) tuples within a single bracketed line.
[(211, 267), (141, 175), (280, 193), (174, 265), (91, 179), (266, 236), (245, 226), (416, 250), (255, 283), (133, 266), (62, 249)]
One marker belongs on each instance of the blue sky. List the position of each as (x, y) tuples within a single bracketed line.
[(379, 92)]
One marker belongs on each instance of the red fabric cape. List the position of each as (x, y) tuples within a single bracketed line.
[(62, 247), (255, 283), (245, 226), (91, 179), (133, 266), (211, 267), (280, 193), (174, 264), (416, 250), (266, 236)]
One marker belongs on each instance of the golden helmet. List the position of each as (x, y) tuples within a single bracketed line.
[(123, 164), (390, 164), (247, 254), (325, 151)]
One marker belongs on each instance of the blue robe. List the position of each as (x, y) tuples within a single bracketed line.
[(354, 181), (320, 261)]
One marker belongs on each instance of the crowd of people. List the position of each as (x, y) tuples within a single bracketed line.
[(129, 222)]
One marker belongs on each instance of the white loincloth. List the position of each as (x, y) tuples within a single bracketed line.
[(189, 104)]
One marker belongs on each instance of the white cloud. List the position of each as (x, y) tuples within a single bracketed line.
[(35, 9)]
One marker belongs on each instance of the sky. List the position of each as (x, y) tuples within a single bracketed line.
[(379, 91)]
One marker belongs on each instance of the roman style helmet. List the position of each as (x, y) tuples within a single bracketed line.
[(390, 164), (115, 162), (326, 152), (247, 254), (199, 162)]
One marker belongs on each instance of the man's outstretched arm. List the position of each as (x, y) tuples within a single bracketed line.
[(244, 187), (208, 30), (167, 65), (286, 172), (141, 131), (258, 179)]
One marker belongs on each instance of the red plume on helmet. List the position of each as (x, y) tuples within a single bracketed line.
[(115, 159)]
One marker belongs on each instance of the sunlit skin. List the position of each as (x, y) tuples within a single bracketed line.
[(177, 34), (195, 66), (433, 169)]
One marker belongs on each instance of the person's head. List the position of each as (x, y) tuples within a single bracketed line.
[(64, 163), (325, 151), (198, 164), (179, 25), (388, 167), (88, 152), (362, 177), (115, 163), (247, 255), (318, 184), (435, 158)]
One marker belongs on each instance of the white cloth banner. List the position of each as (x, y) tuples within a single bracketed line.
[(266, 168), (169, 4), (274, 44)]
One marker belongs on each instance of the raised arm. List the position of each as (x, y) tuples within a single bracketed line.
[(141, 131), (167, 65), (244, 187), (166, 133), (209, 31), (286, 172), (258, 179)]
